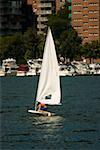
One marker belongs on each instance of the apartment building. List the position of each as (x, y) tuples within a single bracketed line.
[(28, 18), (15, 16), (86, 19), (43, 8), (10, 15)]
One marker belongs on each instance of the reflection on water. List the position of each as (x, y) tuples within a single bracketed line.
[(76, 125), (48, 124), (46, 120), (45, 131)]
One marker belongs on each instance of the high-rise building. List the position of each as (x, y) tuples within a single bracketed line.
[(28, 16), (42, 9), (86, 19), (15, 16), (10, 15)]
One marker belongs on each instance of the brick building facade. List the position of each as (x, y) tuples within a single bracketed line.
[(86, 19)]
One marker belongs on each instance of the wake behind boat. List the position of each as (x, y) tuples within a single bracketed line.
[(49, 91)]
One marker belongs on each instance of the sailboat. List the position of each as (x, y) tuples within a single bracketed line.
[(48, 91)]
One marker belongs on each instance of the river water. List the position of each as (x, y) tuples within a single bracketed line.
[(76, 125)]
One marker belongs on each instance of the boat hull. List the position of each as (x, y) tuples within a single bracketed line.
[(41, 112)]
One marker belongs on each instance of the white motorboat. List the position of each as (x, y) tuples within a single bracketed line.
[(9, 66)]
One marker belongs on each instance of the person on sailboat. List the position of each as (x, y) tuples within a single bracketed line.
[(42, 106)]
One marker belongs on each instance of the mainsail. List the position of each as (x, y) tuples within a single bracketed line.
[(49, 83)]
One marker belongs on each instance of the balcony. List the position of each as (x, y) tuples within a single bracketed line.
[(45, 5), (42, 19), (44, 12), (41, 26)]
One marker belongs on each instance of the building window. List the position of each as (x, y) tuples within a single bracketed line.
[(85, 30), (93, 11), (91, 27), (85, 15), (77, 27), (97, 27), (85, 23), (85, 38), (77, 4), (93, 19), (93, 34), (93, 4), (80, 34), (85, 8), (77, 12), (78, 19), (94, 26)]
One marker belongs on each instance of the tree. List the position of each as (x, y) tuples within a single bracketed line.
[(91, 50), (4, 42), (12, 46), (66, 39), (69, 44), (40, 46), (30, 41), (28, 55), (59, 22), (33, 44), (22, 46)]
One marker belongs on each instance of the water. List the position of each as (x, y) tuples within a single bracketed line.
[(76, 125)]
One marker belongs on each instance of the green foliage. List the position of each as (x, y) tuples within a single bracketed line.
[(18, 46), (12, 47), (91, 50), (28, 55), (30, 45), (57, 25), (40, 46), (59, 22), (66, 39), (69, 44), (30, 41)]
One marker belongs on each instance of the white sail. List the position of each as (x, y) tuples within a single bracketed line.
[(49, 83)]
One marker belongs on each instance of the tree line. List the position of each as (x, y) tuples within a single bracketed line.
[(29, 45), (22, 46)]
